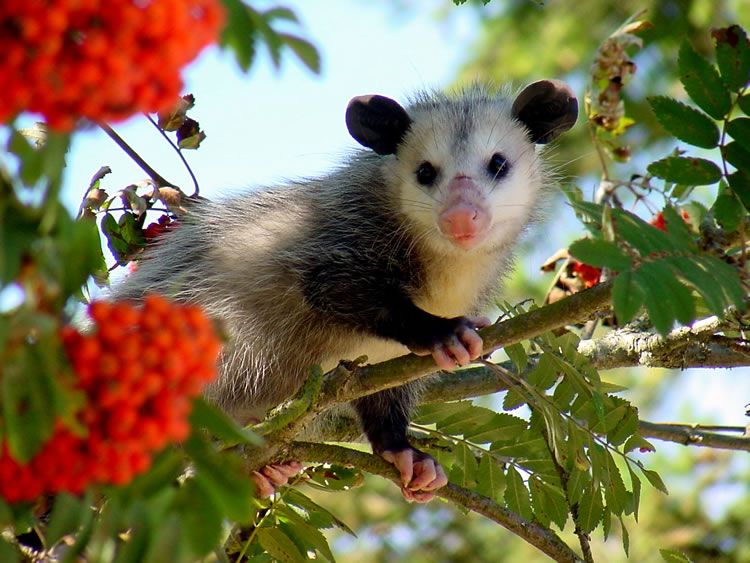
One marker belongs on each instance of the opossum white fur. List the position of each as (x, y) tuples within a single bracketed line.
[(294, 273)]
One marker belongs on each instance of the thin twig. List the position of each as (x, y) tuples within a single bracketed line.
[(179, 153), (145, 166)]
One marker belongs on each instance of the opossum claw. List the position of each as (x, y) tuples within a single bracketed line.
[(461, 347), (271, 476), (420, 474)]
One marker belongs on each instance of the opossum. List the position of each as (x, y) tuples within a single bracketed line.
[(399, 249)]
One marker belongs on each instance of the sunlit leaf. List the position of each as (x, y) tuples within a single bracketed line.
[(686, 170), (684, 122)]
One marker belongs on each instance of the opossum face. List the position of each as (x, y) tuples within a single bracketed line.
[(466, 172)]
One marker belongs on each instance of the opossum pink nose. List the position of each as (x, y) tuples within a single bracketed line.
[(464, 223)]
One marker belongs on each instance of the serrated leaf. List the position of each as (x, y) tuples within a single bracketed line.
[(437, 412), (666, 299), (733, 55), (239, 33), (305, 51), (627, 297), (736, 155), (501, 428), (625, 538), (686, 170), (674, 556), (636, 441), (739, 183), (578, 482), (464, 470), (525, 445), (739, 130), (549, 501), (728, 209), (600, 253), (635, 484), (725, 277), (644, 237), (703, 83), (490, 478), (315, 515), (613, 485), (678, 230), (655, 479), (205, 415), (744, 103), (466, 420), (279, 545), (685, 123), (308, 538), (335, 478), (517, 354), (517, 495), (590, 508)]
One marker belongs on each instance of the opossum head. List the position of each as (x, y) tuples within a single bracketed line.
[(464, 169)]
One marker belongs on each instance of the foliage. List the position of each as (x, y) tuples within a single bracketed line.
[(563, 453)]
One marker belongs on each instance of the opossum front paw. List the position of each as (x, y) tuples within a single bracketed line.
[(458, 345), (420, 474), (271, 476)]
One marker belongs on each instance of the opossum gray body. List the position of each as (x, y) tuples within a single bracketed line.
[(379, 257)]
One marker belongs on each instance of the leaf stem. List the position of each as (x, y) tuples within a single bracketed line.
[(179, 153)]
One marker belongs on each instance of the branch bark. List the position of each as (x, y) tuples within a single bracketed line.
[(540, 537)]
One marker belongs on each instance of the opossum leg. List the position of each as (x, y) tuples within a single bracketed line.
[(275, 475), (420, 474)]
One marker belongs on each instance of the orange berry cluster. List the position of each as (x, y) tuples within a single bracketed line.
[(138, 371), (99, 59)]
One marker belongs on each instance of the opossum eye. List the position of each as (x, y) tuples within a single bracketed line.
[(426, 174), (498, 166)]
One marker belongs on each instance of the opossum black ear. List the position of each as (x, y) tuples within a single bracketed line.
[(377, 122), (547, 108)]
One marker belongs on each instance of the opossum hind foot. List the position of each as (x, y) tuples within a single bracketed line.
[(421, 475), (271, 476)]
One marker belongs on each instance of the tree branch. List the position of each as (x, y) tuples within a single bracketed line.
[(540, 537), (145, 166), (344, 385)]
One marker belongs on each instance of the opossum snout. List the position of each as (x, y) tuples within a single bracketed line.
[(464, 218)]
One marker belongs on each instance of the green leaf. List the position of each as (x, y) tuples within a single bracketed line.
[(726, 278), (213, 419), (733, 55), (466, 420), (744, 103), (728, 209), (335, 478), (614, 488), (643, 236), (490, 477), (674, 556), (739, 129), (627, 297), (686, 170), (502, 427), (464, 470), (437, 412), (666, 299), (685, 123), (223, 477), (548, 503), (517, 495), (600, 253), (8, 553), (305, 51), (625, 538), (201, 516), (68, 513), (307, 538), (279, 545), (313, 513), (703, 83), (239, 33), (517, 354), (739, 182), (590, 508), (736, 155), (636, 441), (678, 230), (655, 479), (578, 482)]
